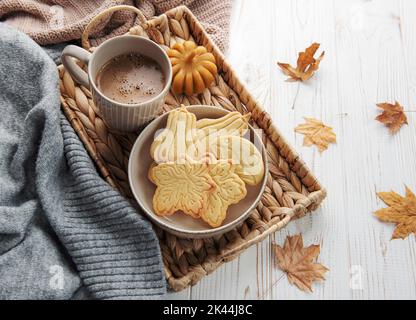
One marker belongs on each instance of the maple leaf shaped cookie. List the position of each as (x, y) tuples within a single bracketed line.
[(182, 187), (299, 262), (230, 189), (392, 116), (316, 132), (400, 210), (306, 64)]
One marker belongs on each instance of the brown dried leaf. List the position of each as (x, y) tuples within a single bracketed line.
[(299, 263), (306, 64), (400, 210), (392, 116), (316, 132)]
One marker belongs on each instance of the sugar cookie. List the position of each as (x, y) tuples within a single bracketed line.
[(233, 123), (202, 167), (230, 189), (243, 153), (172, 143), (184, 187)]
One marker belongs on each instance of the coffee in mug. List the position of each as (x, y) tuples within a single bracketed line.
[(130, 78)]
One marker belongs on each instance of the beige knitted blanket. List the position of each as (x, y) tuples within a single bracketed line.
[(54, 21)]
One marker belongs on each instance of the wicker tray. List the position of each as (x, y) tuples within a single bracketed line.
[(291, 190)]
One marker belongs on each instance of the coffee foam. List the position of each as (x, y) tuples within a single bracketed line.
[(130, 78)]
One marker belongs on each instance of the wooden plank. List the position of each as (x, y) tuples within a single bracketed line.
[(298, 24), (371, 69), (370, 47)]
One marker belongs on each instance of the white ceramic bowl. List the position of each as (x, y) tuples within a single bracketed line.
[(179, 223)]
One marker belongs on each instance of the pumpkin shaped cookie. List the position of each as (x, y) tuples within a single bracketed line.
[(193, 68), (243, 154)]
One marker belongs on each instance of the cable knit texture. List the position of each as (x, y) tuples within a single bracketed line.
[(61, 226), (54, 21)]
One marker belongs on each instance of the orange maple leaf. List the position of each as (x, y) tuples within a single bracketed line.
[(316, 132), (400, 210), (392, 116), (306, 64), (299, 263)]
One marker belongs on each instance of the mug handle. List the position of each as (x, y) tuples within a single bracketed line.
[(74, 70)]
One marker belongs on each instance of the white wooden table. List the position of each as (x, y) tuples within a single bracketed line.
[(370, 57)]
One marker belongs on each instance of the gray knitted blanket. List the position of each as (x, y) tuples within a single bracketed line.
[(62, 227)]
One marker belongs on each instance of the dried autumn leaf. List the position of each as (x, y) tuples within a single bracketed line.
[(306, 64), (316, 132), (400, 210), (299, 263), (392, 116)]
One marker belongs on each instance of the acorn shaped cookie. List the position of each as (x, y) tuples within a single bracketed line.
[(194, 68)]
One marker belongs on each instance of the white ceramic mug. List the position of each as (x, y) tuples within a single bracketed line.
[(120, 116)]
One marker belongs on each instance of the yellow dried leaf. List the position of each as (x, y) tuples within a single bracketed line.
[(392, 116), (400, 210), (306, 64), (299, 263), (316, 132)]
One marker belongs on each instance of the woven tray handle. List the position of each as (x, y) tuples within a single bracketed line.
[(99, 18)]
